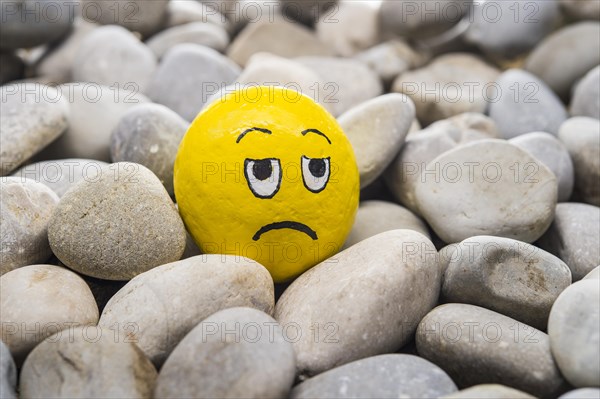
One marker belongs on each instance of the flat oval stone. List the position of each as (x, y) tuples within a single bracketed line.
[(234, 353), (8, 373), (508, 276), (574, 330), (33, 116), (489, 391), (376, 129), (26, 207), (586, 97), (127, 214), (87, 362), (165, 303), (487, 187), (384, 376), (56, 299), (478, 346), (395, 278), (201, 33)]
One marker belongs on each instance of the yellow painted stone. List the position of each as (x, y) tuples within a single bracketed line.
[(267, 173)]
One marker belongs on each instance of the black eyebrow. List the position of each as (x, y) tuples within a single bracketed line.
[(320, 133), (258, 129)]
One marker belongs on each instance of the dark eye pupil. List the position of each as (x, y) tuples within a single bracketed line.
[(317, 167), (262, 169)]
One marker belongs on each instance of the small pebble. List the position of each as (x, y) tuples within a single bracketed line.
[(489, 391), (8, 373), (201, 33), (145, 17)]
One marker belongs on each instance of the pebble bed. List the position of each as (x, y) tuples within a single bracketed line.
[(471, 271)]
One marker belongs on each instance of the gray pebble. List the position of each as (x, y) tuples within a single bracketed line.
[(11, 67), (586, 97), (574, 330), (201, 33), (33, 116), (8, 373), (582, 393), (384, 376), (127, 214), (145, 17), (525, 104), (149, 134), (235, 353), (489, 391), (26, 207), (508, 276), (185, 76)]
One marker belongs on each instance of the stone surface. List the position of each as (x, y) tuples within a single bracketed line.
[(255, 361), (309, 11), (478, 346), (524, 105), (32, 117), (201, 33), (11, 67), (487, 187), (341, 300), (265, 36), (594, 274), (391, 58), (8, 373), (60, 175), (508, 276), (167, 302), (384, 376), (120, 209), (186, 74), (586, 96), (87, 362), (547, 149), (95, 110), (489, 391), (149, 134), (57, 299), (376, 129), (574, 237), (180, 12), (112, 56), (566, 55), (26, 207), (574, 330), (582, 393), (450, 85), (581, 9), (581, 136)]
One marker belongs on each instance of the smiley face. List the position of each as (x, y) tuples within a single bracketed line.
[(267, 173)]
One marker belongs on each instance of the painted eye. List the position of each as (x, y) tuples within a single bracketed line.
[(263, 176), (315, 173)]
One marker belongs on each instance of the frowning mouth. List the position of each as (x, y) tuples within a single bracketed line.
[(286, 225)]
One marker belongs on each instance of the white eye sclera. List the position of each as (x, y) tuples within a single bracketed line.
[(263, 176), (315, 173)]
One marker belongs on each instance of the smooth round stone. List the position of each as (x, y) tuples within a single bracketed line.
[(167, 302), (33, 116), (145, 17), (525, 104), (338, 29), (11, 67), (400, 263), (8, 373), (344, 82), (419, 19), (487, 187), (201, 33), (112, 56), (87, 362), (26, 207), (384, 376), (594, 274), (95, 111), (56, 299), (581, 10), (186, 77), (566, 55), (582, 393), (376, 129), (308, 11), (489, 391), (181, 12), (238, 352), (586, 97), (506, 29), (574, 237), (421, 147), (547, 149), (450, 85), (478, 346), (574, 330), (374, 217), (581, 136), (510, 277), (258, 37), (118, 213), (149, 134), (61, 174), (29, 23)]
